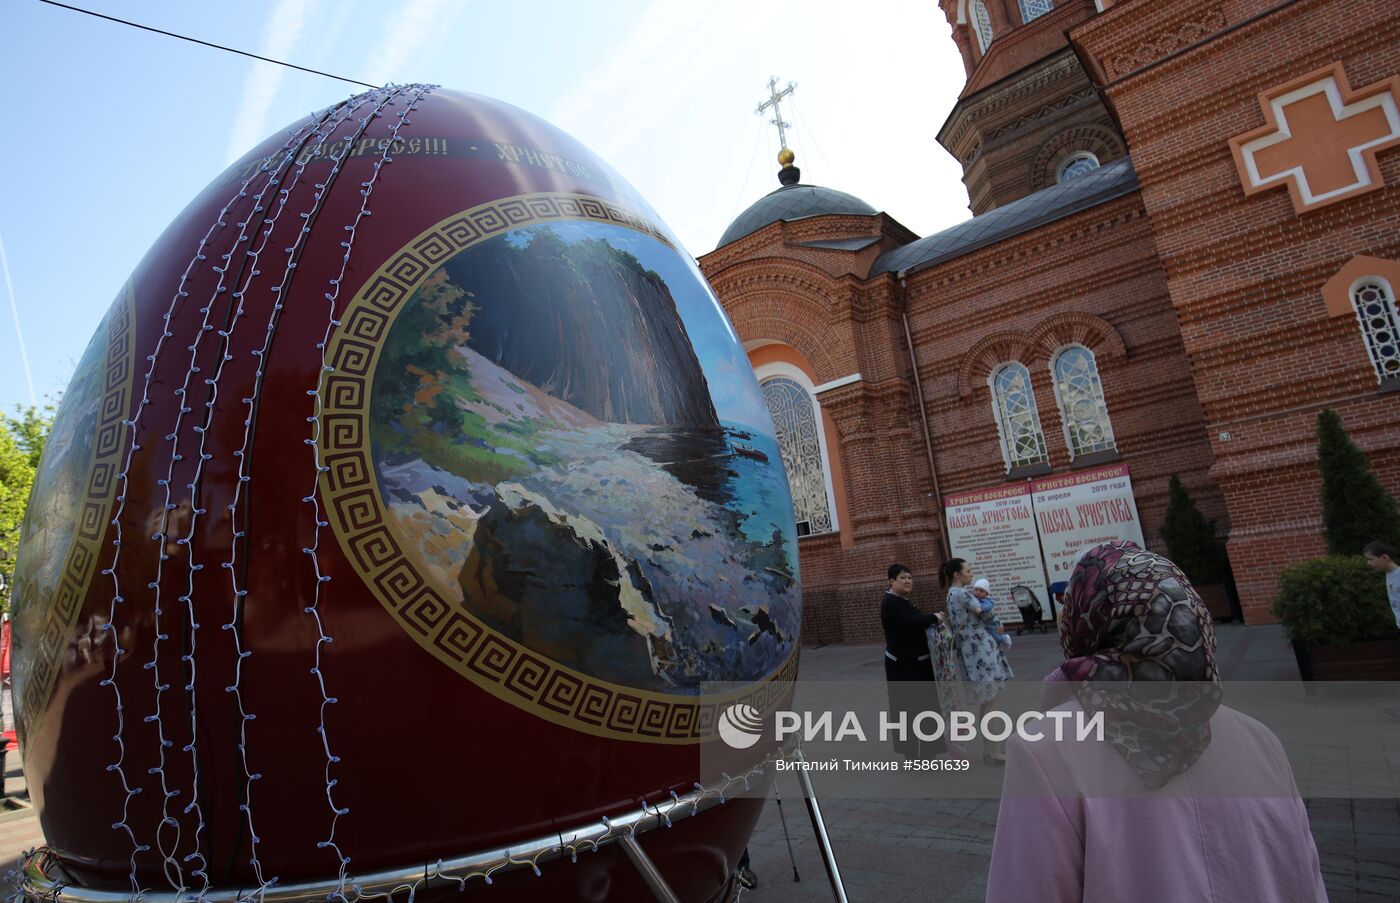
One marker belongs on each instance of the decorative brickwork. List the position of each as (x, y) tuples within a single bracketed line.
[(1092, 279), (1215, 316), (1246, 273), (1320, 138), (1198, 22), (1100, 140), (1027, 105)]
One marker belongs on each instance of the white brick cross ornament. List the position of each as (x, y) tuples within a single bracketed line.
[(1320, 138)]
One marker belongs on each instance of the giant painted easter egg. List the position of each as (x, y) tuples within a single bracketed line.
[(414, 499)]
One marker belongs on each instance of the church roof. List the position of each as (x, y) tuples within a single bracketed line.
[(793, 202), (1022, 215)]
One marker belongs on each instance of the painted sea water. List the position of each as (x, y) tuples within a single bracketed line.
[(570, 438)]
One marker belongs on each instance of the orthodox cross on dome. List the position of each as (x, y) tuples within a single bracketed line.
[(774, 98), (1320, 139)]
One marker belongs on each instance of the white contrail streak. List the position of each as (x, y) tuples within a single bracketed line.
[(281, 31), (19, 333)]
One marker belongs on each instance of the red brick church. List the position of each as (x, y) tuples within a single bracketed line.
[(1185, 243)]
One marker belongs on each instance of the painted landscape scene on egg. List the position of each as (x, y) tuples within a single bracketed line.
[(570, 438)]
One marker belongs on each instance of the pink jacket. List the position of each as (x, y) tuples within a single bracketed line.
[(1076, 824)]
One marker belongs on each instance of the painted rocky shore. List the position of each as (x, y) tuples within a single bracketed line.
[(546, 437)]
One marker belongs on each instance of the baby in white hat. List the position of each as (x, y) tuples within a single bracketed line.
[(982, 589)]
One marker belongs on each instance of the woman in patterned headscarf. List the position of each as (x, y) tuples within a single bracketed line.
[(1186, 799), (1130, 617)]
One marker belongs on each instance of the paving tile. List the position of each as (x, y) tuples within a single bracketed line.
[(1358, 839), (920, 850)]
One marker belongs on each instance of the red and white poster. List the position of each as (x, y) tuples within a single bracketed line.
[(995, 530), (1083, 509)]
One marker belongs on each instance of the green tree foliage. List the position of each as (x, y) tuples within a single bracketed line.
[(1333, 601), (31, 430), (1355, 509), (22, 441), (1190, 538)]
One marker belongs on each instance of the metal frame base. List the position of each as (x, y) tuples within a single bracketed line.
[(39, 880)]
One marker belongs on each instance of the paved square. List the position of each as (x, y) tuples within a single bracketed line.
[(897, 850), (938, 850)]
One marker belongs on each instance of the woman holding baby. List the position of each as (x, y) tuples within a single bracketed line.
[(984, 664)]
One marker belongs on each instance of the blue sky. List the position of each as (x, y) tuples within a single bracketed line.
[(113, 130)]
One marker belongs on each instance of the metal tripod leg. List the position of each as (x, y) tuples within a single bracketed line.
[(647, 869), (783, 818), (838, 889)]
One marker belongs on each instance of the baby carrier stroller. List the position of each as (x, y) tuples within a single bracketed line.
[(1029, 606)]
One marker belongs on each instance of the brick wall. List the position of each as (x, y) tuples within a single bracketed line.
[(1245, 273), (1027, 105), (1203, 306), (1092, 278), (1015, 45)]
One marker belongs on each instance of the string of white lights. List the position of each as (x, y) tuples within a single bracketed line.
[(345, 112), (182, 394), (38, 882), (133, 424), (250, 272), (323, 638), (590, 841)]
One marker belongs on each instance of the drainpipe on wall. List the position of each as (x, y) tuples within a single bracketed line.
[(923, 415)]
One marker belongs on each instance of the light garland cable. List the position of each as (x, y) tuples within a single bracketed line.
[(244, 477), (323, 638), (386, 885), (576, 844), (629, 830), (250, 272), (132, 424), (182, 394)]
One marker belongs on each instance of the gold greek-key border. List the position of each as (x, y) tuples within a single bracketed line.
[(508, 670), (94, 515)]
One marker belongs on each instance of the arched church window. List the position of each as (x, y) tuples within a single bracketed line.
[(1075, 165), (1380, 327), (1018, 421), (800, 440), (1079, 392), (1034, 9), (982, 23)]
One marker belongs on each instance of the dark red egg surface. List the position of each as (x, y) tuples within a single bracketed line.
[(414, 498)]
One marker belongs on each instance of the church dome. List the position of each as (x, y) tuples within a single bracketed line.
[(792, 202)]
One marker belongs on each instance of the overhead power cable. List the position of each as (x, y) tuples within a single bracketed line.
[(171, 34)]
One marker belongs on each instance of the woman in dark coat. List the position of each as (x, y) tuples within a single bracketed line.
[(908, 665)]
